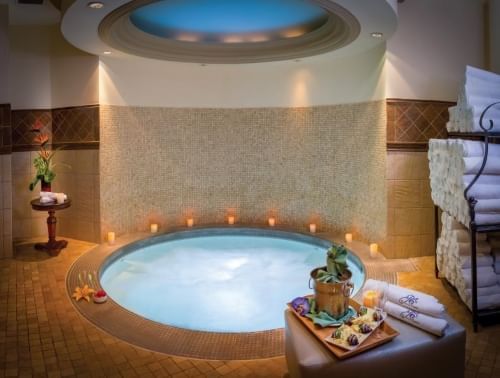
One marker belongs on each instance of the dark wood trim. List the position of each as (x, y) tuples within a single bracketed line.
[(94, 145), (395, 100), (75, 107), (416, 147)]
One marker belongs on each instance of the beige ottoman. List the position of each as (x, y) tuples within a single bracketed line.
[(413, 354)]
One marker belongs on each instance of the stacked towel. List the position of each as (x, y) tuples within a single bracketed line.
[(50, 197), (418, 309), (480, 89), (454, 263), (453, 164)]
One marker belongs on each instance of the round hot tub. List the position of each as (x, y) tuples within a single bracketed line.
[(217, 279)]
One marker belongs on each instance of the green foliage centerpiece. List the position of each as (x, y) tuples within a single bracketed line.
[(43, 162), (332, 283), (336, 265)]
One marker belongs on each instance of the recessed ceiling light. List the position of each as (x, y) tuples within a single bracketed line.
[(95, 5), (377, 35), (107, 52)]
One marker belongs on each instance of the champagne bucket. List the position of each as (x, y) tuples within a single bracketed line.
[(332, 297)]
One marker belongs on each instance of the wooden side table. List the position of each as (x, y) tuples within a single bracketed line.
[(53, 246)]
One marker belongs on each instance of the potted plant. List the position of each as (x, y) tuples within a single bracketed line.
[(43, 162), (332, 283)]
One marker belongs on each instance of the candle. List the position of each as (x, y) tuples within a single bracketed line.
[(348, 237), (312, 228), (190, 222), (154, 228), (371, 298), (373, 250), (230, 219), (111, 238), (272, 222)]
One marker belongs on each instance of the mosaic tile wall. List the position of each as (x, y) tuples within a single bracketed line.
[(323, 164)]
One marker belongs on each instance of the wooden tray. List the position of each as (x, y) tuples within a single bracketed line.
[(383, 334)]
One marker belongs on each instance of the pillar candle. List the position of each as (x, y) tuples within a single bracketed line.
[(154, 228), (312, 228), (111, 238), (272, 222), (230, 219), (348, 237), (190, 222), (373, 250), (371, 298)]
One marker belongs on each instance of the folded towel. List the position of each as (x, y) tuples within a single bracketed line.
[(484, 191), (485, 291), (411, 299), (51, 195), (488, 206), (464, 262), (486, 218), (497, 267), (473, 164), (486, 276), (47, 200), (422, 321)]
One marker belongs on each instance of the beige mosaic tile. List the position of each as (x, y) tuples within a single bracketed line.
[(323, 164)]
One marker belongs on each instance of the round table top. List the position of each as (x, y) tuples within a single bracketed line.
[(37, 205)]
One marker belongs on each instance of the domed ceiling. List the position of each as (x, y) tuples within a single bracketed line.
[(216, 31)]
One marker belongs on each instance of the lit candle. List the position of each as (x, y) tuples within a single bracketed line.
[(230, 219), (312, 228), (154, 228), (373, 250), (272, 222), (111, 238), (190, 222), (371, 298), (348, 237)]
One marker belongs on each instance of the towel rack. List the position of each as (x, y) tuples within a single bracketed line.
[(487, 136)]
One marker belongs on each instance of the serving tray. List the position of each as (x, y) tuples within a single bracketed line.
[(381, 335)]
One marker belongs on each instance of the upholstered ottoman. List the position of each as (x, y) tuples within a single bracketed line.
[(413, 353)]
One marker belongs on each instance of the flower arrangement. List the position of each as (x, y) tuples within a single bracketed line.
[(43, 162)]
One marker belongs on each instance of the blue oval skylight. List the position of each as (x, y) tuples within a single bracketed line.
[(209, 18)]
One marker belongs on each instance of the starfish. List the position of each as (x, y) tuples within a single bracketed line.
[(84, 293)]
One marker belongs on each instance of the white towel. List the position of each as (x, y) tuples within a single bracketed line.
[(46, 200), (473, 164), (487, 218), (485, 277), (430, 324), (487, 206), (484, 191), (411, 299), (485, 291), (51, 195), (488, 301)]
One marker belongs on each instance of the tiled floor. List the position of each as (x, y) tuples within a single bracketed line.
[(42, 335)]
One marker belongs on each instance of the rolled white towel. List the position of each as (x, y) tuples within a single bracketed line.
[(488, 206), (488, 301), (484, 291), (465, 262), (487, 218), (411, 299), (473, 164), (485, 277), (428, 323), (484, 191)]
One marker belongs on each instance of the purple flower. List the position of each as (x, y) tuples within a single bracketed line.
[(301, 305)]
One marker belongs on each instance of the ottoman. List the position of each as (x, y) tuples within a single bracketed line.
[(413, 354)]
